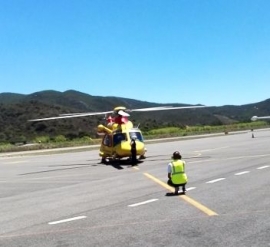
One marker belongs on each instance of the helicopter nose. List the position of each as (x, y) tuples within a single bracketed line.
[(140, 148), (124, 150)]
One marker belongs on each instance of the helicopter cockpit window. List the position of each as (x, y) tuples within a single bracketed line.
[(136, 135), (118, 138)]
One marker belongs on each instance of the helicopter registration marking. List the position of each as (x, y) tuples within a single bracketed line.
[(188, 199)]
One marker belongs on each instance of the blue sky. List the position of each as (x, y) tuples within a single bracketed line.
[(212, 52)]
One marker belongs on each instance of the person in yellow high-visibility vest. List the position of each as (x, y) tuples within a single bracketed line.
[(176, 173)]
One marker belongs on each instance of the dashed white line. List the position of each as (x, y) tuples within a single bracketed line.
[(190, 188), (241, 173), (212, 149), (141, 203), (215, 180), (262, 167), (187, 189), (67, 220), (17, 162)]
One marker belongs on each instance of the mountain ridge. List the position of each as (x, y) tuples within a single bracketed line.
[(17, 109)]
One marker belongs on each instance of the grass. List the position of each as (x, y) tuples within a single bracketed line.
[(61, 142)]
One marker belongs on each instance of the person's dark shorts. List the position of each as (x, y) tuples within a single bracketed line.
[(174, 185)]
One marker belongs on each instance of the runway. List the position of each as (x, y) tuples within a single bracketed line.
[(70, 199)]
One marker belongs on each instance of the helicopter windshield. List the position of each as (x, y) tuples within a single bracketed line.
[(118, 138), (136, 135)]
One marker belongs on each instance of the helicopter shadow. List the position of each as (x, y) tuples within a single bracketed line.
[(120, 164)]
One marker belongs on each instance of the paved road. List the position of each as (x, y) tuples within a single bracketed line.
[(70, 200)]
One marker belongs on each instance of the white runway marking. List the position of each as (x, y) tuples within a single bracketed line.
[(67, 220), (17, 162), (241, 173), (212, 149), (141, 203), (215, 180), (187, 189), (190, 188), (262, 167)]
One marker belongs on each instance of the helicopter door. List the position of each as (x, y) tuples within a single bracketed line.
[(118, 138), (107, 145)]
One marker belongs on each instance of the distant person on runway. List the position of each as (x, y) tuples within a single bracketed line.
[(133, 152)]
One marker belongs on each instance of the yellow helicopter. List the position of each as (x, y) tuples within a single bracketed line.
[(119, 132), (118, 136)]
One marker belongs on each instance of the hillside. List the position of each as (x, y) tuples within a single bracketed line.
[(17, 109)]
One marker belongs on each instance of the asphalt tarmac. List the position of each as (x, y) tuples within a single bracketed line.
[(71, 200)]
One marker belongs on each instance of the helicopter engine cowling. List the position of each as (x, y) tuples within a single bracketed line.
[(127, 125), (116, 126)]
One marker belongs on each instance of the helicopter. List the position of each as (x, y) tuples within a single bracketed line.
[(119, 132)]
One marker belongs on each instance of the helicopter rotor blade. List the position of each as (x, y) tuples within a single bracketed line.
[(120, 112), (165, 108), (71, 115)]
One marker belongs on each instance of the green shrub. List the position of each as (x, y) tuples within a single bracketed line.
[(42, 139), (60, 138)]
